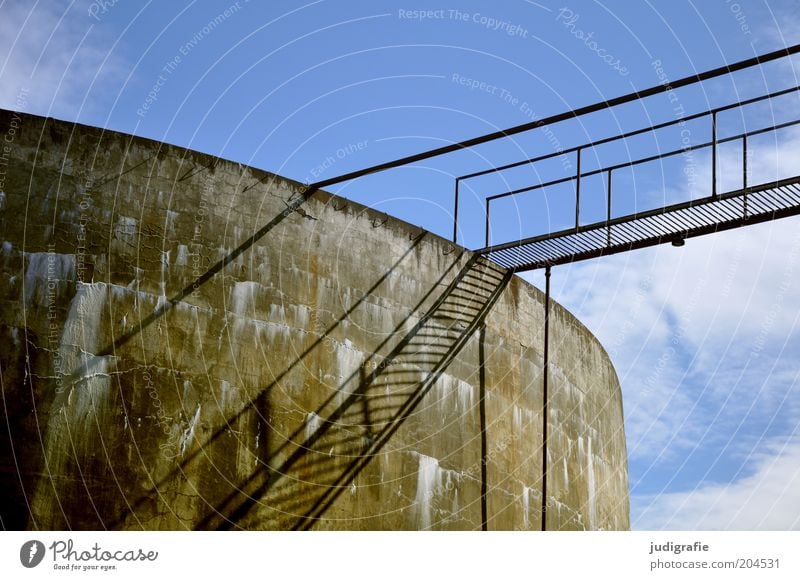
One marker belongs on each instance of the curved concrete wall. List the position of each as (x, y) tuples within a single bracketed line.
[(329, 377)]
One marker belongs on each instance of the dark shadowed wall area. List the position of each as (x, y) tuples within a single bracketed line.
[(346, 371)]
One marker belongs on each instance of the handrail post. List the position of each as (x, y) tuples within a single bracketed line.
[(744, 172), (744, 161), (713, 154), (455, 213), (578, 191), (488, 201)]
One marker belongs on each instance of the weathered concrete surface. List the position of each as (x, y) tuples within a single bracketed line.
[(301, 387)]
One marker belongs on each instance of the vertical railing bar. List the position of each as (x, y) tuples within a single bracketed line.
[(455, 213), (578, 191), (744, 172), (714, 154), (488, 201)]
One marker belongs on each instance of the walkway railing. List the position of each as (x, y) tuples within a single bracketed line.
[(671, 223)]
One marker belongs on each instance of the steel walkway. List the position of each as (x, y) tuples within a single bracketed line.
[(670, 224)]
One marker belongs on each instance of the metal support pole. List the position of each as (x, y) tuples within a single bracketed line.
[(714, 154), (482, 412), (578, 192), (455, 214), (544, 393)]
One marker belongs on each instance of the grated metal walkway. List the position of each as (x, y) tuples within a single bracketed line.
[(670, 224)]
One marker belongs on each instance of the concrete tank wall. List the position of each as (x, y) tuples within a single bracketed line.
[(329, 377)]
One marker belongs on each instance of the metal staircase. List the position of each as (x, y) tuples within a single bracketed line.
[(326, 457)]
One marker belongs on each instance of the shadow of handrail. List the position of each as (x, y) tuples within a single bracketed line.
[(257, 402), (330, 456)]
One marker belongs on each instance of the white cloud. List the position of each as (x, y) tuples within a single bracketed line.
[(668, 317), (50, 55), (765, 499), (704, 339), (702, 368)]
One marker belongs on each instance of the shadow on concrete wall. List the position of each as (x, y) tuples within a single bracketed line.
[(314, 468), (21, 457), (297, 492), (259, 406), (22, 469)]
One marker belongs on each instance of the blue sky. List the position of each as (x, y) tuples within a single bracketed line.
[(703, 338)]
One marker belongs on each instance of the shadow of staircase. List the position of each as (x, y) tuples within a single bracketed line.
[(293, 492)]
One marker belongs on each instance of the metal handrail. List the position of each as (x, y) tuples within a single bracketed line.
[(629, 134), (714, 143), (628, 98), (639, 216), (646, 159)]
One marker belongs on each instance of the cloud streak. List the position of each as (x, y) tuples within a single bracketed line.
[(704, 340), (766, 498), (54, 55)]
